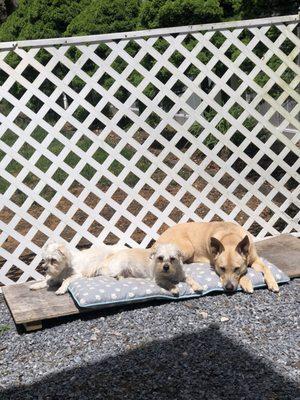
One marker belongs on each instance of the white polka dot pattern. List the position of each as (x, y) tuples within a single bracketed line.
[(102, 291)]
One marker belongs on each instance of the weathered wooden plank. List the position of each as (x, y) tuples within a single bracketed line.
[(284, 252), (33, 326), (36, 305)]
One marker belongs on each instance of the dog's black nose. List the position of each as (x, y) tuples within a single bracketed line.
[(166, 267), (229, 287)]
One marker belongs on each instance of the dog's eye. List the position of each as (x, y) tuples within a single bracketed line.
[(160, 258), (53, 261), (172, 259), (236, 270), (223, 269)]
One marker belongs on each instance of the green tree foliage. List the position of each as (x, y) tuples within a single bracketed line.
[(6, 8), (38, 19), (35, 19), (231, 8), (265, 8), (3, 11), (105, 16), (165, 13)]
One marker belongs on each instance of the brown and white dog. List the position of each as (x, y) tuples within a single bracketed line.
[(228, 247)]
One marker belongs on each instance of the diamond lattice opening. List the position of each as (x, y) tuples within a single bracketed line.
[(60, 70), (103, 51), (135, 207), (43, 56), (17, 90), (204, 55), (89, 67), (148, 62), (192, 72), (161, 45), (73, 54)]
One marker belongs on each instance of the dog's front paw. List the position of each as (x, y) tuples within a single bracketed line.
[(246, 285), (61, 291), (194, 285), (197, 288), (37, 286), (272, 285), (175, 291), (249, 290)]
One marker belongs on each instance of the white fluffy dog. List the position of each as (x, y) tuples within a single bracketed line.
[(162, 264), (65, 265)]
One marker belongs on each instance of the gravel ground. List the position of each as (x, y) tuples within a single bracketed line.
[(217, 347)]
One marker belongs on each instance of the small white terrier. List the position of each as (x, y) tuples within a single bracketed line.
[(162, 264), (65, 265)]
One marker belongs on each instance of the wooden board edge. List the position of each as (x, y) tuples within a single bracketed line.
[(33, 326), (21, 321)]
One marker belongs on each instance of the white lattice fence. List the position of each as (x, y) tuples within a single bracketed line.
[(93, 146)]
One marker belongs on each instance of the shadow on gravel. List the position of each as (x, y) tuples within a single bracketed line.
[(203, 365)]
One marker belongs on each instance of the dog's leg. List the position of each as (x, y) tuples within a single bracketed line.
[(246, 284), (64, 286), (167, 285), (41, 285), (196, 287), (174, 290), (259, 266)]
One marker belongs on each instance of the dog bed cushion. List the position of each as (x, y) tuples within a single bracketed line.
[(102, 291)]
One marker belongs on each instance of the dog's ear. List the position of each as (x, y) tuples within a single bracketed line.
[(179, 255), (243, 247), (153, 251), (216, 246), (152, 254), (63, 250)]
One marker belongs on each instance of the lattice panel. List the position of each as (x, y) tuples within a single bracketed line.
[(114, 138)]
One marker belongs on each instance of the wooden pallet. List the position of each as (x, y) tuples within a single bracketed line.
[(30, 308), (283, 251)]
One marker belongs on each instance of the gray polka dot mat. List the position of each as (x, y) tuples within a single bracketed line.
[(101, 291)]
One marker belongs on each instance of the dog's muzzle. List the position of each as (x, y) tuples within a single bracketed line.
[(166, 267), (229, 287)]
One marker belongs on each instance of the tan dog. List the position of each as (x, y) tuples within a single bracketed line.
[(226, 246), (163, 265)]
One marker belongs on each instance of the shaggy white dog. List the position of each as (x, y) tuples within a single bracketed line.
[(162, 264), (65, 265)]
